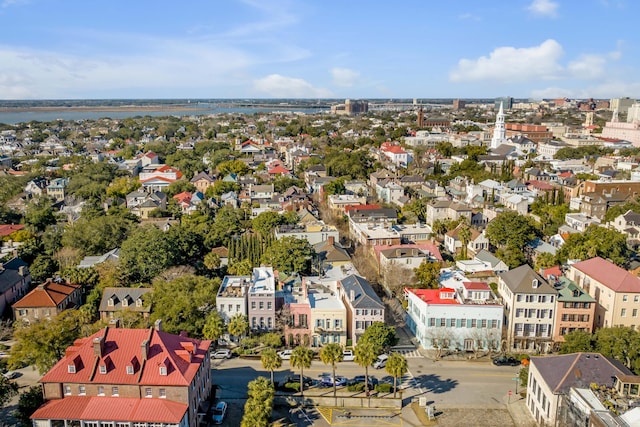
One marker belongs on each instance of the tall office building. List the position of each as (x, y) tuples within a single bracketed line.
[(506, 101)]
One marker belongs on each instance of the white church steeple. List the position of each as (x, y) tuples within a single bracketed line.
[(499, 131)]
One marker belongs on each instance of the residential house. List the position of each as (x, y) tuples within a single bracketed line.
[(407, 256), (483, 261), (389, 191), (575, 310), (202, 181), (36, 187), (445, 318), (142, 203), (529, 309), (231, 299), (313, 233), (328, 315), (364, 307), (396, 154), (261, 300), (90, 261), (597, 205), (128, 377), (330, 254), (155, 178), (516, 202), (56, 188), (338, 202), (15, 281), (552, 377), (47, 300), (223, 254), (477, 241), (446, 209), (261, 192), (580, 222), (297, 330), (615, 290), (115, 301)]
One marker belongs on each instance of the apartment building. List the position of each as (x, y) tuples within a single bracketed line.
[(363, 305)]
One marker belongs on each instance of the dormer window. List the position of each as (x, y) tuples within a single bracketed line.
[(139, 302), (71, 369), (112, 301), (103, 369), (129, 370), (163, 370), (125, 301)]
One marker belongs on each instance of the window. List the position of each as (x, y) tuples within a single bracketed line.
[(114, 391), (162, 393), (253, 305), (358, 324), (67, 390), (129, 369), (103, 369), (147, 392), (71, 369), (302, 318), (337, 324), (139, 302), (484, 323), (269, 322), (163, 370), (253, 322), (365, 312), (100, 390), (230, 307), (82, 390), (474, 323), (625, 298), (261, 305), (432, 321), (623, 312), (634, 313), (237, 307), (636, 298), (357, 312), (269, 305)]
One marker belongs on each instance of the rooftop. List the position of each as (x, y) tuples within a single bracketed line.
[(610, 275), (234, 286)]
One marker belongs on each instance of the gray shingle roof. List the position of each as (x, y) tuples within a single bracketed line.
[(365, 296), (521, 279)]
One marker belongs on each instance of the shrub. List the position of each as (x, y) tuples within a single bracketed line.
[(295, 386), (356, 387), (384, 388), (271, 339), (250, 342)]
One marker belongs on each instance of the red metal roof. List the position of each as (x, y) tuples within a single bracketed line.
[(476, 286), (278, 169), (433, 296), (124, 348), (49, 294), (6, 229), (112, 409)]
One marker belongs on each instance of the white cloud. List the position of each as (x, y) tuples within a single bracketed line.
[(279, 86), (544, 8), (607, 89), (344, 77), (512, 64)]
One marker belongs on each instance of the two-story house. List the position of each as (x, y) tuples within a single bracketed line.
[(47, 300), (362, 303), (529, 309), (116, 301), (15, 281), (615, 290), (128, 377)]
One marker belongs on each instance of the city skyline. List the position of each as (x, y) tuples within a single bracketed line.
[(328, 49)]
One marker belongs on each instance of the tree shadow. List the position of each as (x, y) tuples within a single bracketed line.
[(432, 383)]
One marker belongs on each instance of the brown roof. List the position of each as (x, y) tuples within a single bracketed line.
[(48, 294), (610, 275)]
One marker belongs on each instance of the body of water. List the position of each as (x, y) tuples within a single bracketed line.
[(48, 116)]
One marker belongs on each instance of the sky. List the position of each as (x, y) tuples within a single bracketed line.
[(79, 49)]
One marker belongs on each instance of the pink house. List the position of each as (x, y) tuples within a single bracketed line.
[(298, 329)]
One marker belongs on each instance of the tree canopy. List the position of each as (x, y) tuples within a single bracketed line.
[(289, 254), (379, 334), (427, 275), (596, 241)]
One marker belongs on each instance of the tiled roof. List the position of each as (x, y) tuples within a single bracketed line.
[(112, 409), (49, 294), (122, 347), (6, 229), (609, 274)]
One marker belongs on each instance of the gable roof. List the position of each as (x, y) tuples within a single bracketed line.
[(120, 294), (610, 275), (365, 296), (10, 274), (7, 229), (48, 294), (486, 256), (577, 370), (520, 280), (180, 355)]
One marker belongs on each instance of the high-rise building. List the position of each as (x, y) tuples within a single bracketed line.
[(622, 105), (506, 101), (459, 104)]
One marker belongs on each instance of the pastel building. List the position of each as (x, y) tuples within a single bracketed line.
[(261, 299), (363, 305)]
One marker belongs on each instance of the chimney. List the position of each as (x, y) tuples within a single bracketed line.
[(98, 346), (305, 293), (331, 240), (158, 325), (144, 347), (114, 323), (22, 270), (352, 295)]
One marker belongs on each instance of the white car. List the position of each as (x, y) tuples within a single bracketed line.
[(285, 354), (222, 354), (219, 412), (10, 375), (348, 356), (381, 361)]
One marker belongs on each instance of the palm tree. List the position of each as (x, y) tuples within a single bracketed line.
[(213, 327), (301, 358), (238, 325), (396, 366), (270, 361), (365, 354), (331, 354), (465, 237)]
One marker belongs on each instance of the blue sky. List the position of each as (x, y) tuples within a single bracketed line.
[(318, 48)]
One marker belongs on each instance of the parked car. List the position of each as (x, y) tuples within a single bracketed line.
[(381, 361), (11, 375), (373, 381), (348, 356), (222, 354), (219, 412), (285, 354), (506, 361), (296, 379), (328, 380)]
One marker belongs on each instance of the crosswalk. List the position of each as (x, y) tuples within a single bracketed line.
[(409, 354)]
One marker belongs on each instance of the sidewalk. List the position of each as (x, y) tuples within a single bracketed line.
[(519, 412)]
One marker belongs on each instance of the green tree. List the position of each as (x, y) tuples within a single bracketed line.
[(335, 187), (233, 166), (266, 222), (380, 335), (596, 241), (331, 354), (396, 367), (238, 325), (621, 343), (212, 261), (42, 268), (270, 361), (8, 389), (511, 229), (39, 214), (465, 237), (365, 354), (178, 187), (29, 401), (147, 252), (259, 405), (96, 236), (214, 326), (241, 268), (122, 186), (577, 341), (427, 275), (289, 254), (301, 358), (545, 260), (184, 303), (228, 222)]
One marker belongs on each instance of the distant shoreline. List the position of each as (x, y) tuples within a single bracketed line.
[(106, 109)]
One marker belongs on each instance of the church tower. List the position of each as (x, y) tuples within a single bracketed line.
[(499, 131)]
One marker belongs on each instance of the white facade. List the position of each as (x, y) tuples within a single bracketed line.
[(499, 131), (231, 299)]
